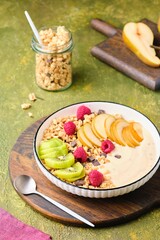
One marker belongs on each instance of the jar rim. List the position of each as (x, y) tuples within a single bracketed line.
[(61, 48)]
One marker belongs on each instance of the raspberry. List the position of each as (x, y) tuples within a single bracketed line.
[(69, 128), (80, 154), (107, 146), (81, 111), (95, 178)]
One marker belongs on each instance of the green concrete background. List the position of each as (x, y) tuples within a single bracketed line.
[(92, 80)]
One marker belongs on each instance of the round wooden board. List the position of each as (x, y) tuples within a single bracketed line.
[(101, 212)]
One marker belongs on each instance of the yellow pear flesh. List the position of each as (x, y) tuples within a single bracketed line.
[(90, 135), (81, 137), (138, 37)]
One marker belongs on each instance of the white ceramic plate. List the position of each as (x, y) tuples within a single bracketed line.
[(112, 108)]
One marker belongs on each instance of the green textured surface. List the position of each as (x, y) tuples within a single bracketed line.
[(93, 80)]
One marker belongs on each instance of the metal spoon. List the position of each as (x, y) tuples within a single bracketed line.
[(27, 185)]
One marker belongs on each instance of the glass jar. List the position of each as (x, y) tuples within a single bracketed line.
[(53, 58)]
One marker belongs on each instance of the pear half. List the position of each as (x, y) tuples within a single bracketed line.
[(138, 37)]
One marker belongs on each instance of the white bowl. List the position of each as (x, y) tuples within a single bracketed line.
[(112, 108)]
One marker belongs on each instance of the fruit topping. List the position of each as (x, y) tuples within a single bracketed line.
[(52, 148), (69, 128), (61, 162), (71, 174), (107, 146), (81, 111), (95, 178), (80, 154)]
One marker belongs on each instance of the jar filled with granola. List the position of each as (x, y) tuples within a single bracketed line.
[(53, 58)]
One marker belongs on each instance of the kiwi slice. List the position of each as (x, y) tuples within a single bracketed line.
[(48, 150), (53, 142), (53, 152), (76, 178), (59, 163), (70, 173)]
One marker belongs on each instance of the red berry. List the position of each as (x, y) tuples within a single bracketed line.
[(80, 154), (81, 111), (107, 146), (95, 178), (70, 128)]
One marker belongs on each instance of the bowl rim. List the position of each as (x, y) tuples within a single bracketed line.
[(94, 189)]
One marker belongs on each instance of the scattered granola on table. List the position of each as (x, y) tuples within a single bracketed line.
[(25, 106)]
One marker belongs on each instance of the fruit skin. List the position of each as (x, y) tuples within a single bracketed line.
[(138, 37), (70, 128), (95, 178), (158, 24), (81, 111), (107, 146), (80, 154)]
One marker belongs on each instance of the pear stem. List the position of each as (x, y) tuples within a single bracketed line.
[(155, 47)]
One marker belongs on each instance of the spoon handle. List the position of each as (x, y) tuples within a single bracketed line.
[(65, 209), (34, 29)]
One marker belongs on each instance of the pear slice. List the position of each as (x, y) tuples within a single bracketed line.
[(108, 122), (126, 136), (131, 138), (136, 130), (94, 130), (82, 138), (116, 130), (138, 37), (98, 124), (90, 135)]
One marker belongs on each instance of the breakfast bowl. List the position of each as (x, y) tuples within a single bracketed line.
[(97, 149)]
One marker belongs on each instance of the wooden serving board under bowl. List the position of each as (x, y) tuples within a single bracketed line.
[(114, 52), (101, 212)]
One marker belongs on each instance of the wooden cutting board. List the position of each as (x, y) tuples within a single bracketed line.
[(101, 212), (114, 52)]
